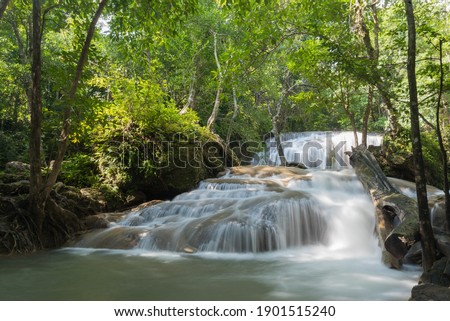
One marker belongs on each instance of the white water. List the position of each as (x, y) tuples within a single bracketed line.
[(144, 256), (319, 150), (255, 210), (257, 233)]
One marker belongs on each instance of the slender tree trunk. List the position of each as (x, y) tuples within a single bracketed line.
[(3, 5), (373, 54), (279, 145), (280, 150), (212, 119), (233, 117), (345, 100), (36, 199), (190, 101), (276, 129), (440, 139), (64, 136), (426, 231), (366, 117)]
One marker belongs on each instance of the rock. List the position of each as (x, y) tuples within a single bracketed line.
[(438, 217), (434, 284), (16, 166), (95, 222), (15, 188), (442, 243), (95, 196), (439, 273), (135, 198), (144, 205), (295, 164), (189, 250), (430, 292), (414, 255)]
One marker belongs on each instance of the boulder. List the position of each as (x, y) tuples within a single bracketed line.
[(16, 166), (135, 198), (439, 273), (430, 292)]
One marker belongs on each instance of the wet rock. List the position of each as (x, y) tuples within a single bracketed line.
[(439, 273), (146, 204), (414, 255), (297, 165), (430, 292), (434, 284), (438, 216), (95, 222), (442, 242), (189, 250)]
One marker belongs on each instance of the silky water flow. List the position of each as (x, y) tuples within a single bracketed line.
[(255, 233)]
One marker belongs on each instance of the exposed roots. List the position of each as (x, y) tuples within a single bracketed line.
[(17, 235), (59, 225)]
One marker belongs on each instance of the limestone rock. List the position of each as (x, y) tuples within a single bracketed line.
[(16, 166)]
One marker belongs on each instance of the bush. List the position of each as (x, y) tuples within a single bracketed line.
[(13, 147), (79, 170)]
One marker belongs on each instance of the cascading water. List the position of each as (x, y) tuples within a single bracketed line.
[(252, 209), (318, 150), (255, 233)]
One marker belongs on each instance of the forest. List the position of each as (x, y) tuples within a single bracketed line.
[(108, 104)]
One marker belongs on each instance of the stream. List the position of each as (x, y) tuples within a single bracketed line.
[(257, 233)]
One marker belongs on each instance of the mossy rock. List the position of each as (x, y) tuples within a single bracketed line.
[(396, 158)]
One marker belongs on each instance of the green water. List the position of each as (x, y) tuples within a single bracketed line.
[(311, 274)]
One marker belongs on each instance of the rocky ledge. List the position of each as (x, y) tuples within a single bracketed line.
[(435, 284)]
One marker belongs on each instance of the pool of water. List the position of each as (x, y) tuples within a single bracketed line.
[(312, 273)]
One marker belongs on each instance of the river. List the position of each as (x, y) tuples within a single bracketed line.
[(257, 233)]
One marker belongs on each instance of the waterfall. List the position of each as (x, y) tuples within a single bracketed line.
[(252, 209), (318, 150)]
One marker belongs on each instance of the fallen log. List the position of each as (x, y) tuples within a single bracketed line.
[(396, 214)]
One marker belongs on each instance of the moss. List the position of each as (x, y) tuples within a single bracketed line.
[(396, 157)]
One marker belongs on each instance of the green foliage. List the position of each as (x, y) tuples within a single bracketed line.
[(79, 170), (13, 147), (150, 56)]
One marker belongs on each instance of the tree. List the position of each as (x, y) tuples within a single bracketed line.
[(441, 139), (373, 76), (426, 231), (40, 189)]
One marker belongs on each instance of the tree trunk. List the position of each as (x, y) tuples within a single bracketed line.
[(375, 78), (3, 6), (64, 136), (279, 145), (36, 199), (426, 231), (40, 190), (190, 101), (212, 119), (440, 138), (233, 117), (396, 214), (367, 113)]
